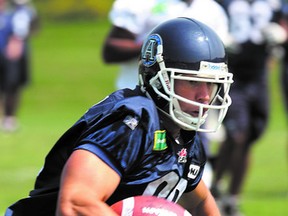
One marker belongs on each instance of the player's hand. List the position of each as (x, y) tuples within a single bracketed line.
[(14, 49)]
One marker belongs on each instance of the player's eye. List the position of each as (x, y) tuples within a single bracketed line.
[(194, 83)]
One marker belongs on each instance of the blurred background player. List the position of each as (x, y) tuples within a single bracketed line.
[(19, 24), (5, 33), (254, 29), (284, 62), (284, 66)]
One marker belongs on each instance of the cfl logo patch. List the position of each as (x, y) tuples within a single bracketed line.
[(131, 122), (193, 171)]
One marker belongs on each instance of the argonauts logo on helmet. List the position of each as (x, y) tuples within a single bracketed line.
[(150, 50)]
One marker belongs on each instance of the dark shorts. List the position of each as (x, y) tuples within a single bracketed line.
[(248, 114), (13, 74)]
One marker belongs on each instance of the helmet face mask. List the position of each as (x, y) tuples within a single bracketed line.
[(185, 64)]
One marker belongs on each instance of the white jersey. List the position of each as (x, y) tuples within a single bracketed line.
[(248, 19), (23, 16), (140, 17)]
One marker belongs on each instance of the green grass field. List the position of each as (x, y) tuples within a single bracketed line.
[(69, 76)]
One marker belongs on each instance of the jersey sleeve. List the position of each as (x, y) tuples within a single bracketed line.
[(121, 137), (130, 14), (21, 24), (196, 168)]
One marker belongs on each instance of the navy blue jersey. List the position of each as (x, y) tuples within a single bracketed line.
[(125, 131)]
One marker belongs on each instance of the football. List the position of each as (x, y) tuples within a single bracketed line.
[(148, 206)]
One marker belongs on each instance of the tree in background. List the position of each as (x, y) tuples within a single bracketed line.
[(73, 9)]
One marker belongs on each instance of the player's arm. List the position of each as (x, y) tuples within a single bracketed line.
[(14, 48), (120, 45), (200, 201), (86, 183)]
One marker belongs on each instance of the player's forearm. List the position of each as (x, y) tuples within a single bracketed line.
[(119, 50), (97, 208), (14, 48), (207, 207), (200, 201)]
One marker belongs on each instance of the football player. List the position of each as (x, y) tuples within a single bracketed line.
[(15, 31), (284, 65), (142, 141)]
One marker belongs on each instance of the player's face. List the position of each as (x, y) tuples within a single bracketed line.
[(200, 92)]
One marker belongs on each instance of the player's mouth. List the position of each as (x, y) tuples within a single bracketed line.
[(195, 113)]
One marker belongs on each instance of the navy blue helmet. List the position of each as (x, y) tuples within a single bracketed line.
[(183, 48)]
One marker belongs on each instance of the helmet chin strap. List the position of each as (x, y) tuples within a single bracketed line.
[(186, 121)]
